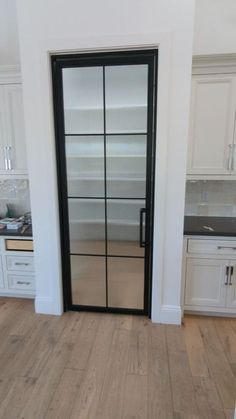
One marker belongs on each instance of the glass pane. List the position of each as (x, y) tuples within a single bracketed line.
[(125, 283), (126, 166), (126, 98), (83, 100), (123, 221), (85, 166), (87, 226), (88, 280)]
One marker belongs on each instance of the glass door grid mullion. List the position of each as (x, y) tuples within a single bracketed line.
[(105, 178), (116, 134)]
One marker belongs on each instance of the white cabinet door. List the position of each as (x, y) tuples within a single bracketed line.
[(212, 118), (231, 288), (3, 129), (16, 127), (205, 282), (12, 130), (1, 274)]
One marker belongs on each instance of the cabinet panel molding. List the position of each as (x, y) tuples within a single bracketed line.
[(205, 282), (212, 119)]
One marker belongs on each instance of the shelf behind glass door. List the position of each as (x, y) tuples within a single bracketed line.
[(85, 166), (87, 226), (126, 166), (126, 89), (83, 100)]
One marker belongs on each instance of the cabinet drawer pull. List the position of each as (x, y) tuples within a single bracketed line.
[(23, 283), (231, 274), (227, 275), (226, 247), (21, 264)]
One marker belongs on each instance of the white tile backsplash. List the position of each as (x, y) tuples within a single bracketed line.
[(211, 198), (14, 192)]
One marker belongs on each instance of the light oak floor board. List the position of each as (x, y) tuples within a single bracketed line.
[(219, 366), (227, 336), (184, 402), (108, 366), (160, 401), (195, 349)]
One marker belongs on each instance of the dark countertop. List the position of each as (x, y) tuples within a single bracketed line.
[(17, 233), (222, 226)]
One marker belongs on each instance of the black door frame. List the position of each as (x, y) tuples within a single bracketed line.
[(127, 57)]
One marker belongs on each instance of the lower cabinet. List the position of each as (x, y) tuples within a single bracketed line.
[(1, 274), (231, 289), (210, 280), (205, 282), (16, 268)]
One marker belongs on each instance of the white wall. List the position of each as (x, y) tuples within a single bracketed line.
[(215, 27), (75, 25), (9, 46)]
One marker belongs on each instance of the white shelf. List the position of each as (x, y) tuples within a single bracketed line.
[(112, 108), (72, 178), (109, 222), (113, 156), (138, 201)]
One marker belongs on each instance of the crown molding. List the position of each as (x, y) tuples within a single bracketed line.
[(214, 64), (10, 74)]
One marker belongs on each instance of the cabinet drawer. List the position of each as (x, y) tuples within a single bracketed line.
[(20, 263), (23, 245), (22, 282), (217, 247)]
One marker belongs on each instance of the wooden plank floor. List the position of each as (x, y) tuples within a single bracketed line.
[(107, 366)]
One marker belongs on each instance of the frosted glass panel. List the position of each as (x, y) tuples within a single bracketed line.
[(87, 226), (83, 100), (126, 98), (126, 166), (88, 280), (123, 227), (125, 283), (85, 166)]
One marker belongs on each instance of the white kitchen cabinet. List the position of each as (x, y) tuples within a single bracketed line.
[(212, 136), (205, 282), (16, 268), (231, 294), (209, 275), (1, 274), (13, 159)]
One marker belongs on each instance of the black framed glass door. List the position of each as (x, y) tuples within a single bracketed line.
[(104, 109)]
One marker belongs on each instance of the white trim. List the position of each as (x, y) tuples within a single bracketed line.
[(15, 294), (103, 43), (46, 305), (209, 311), (214, 64), (210, 177), (10, 74), (170, 314)]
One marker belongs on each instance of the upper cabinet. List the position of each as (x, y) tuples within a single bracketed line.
[(212, 137), (212, 130), (13, 159)]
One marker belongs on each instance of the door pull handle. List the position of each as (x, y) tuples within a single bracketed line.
[(142, 242)]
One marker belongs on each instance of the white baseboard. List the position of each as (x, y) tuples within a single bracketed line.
[(46, 305), (170, 314)]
